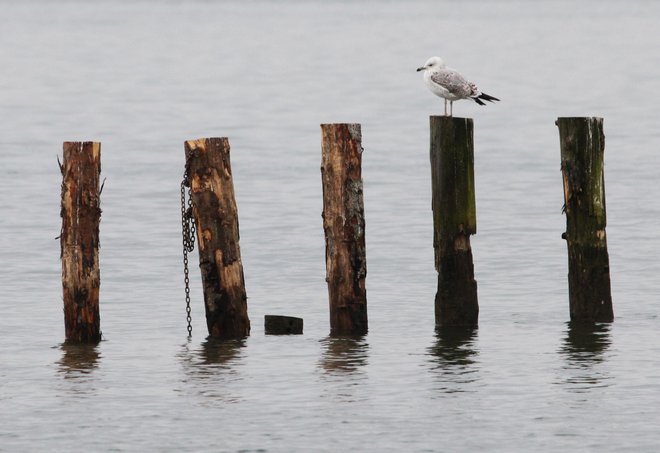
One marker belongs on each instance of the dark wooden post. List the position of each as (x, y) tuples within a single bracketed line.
[(454, 220), (216, 219), (582, 163), (283, 325), (79, 240), (343, 224)]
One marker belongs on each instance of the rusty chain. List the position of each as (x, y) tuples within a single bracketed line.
[(188, 233)]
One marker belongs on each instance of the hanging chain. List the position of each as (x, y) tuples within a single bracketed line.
[(188, 232)]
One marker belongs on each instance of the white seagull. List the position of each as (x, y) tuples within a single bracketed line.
[(450, 84)]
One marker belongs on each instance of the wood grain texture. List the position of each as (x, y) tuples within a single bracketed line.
[(582, 143), (79, 240), (216, 218), (344, 228)]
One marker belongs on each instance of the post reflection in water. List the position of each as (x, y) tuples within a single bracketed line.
[(342, 364), (209, 368), (584, 348), (212, 355), (344, 354), (453, 358), (78, 359)]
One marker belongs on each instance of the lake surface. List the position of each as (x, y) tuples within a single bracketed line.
[(142, 77)]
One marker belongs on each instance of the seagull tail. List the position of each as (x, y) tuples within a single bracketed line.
[(486, 97)]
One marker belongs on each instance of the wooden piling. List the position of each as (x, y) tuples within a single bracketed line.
[(79, 240), (216, 219), (282, 325), (582, 144), (454, 220), (343, 224)]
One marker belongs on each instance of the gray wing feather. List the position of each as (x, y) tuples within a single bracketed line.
[(453, 82)]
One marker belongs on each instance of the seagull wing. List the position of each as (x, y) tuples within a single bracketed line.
[(453, 81)]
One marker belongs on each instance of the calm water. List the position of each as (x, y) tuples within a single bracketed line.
[(142, 77)]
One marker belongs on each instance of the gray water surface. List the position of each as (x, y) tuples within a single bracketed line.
[(142, 77)]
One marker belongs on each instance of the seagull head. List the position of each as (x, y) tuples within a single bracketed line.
[(432, 63)]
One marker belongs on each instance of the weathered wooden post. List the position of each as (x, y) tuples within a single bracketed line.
[(343, 224), (79, 240), (454, 220), (216, 218), (582, 144)]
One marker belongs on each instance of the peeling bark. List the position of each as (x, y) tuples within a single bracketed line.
[(216, 218), (343, 225), (79, 240)]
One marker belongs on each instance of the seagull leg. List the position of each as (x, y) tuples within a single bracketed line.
[(451, 108), (445, 107)]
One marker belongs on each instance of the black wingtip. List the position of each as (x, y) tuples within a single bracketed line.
[(479, 101), (488, 97)]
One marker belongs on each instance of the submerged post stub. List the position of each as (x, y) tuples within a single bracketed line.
[(582, 143), (283, 325), (79, 240), (343, 225), (454, 220), (216, 218)]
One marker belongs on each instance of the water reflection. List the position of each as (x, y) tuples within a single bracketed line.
[(453, 358), (211, 356), (344, 355), (584, 349), (78, 359), (342, 364), (211, 367)]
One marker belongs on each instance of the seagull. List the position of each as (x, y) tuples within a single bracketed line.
[(450, 84)]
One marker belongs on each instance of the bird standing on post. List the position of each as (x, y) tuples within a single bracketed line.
[(450, 84)]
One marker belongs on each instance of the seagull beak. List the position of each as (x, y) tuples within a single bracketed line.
[(421, 69)]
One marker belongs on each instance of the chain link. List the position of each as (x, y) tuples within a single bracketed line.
[(188, 233)]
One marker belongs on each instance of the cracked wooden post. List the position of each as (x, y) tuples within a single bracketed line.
[(582, 164), (216, 219), (454, 220), (343, 225), (79, 240)]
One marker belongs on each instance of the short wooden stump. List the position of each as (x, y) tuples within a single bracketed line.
[(283, 325)]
